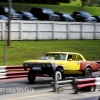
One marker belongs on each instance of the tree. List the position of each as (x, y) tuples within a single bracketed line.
[(65, 1), (83, 2)]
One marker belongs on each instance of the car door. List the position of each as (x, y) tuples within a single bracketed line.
[(73, 65), (78, 16)]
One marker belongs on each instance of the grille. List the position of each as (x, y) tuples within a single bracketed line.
[(38, 65), (41, 65)]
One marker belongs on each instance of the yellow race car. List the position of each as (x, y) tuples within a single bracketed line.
[(59, 65)]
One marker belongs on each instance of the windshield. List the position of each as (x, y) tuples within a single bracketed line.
[(47, 11), (54, 56), (67, 15), (85, 14), (12, 10)]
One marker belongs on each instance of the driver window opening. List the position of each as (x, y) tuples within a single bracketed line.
[(69, 57)]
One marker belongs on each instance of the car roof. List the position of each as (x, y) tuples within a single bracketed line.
[(64, 52), (63, 13)]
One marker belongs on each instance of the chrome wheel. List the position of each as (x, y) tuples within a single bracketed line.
[(58, 75)]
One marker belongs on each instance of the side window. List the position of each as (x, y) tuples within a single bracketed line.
[(79, 58), (74, 57), (69, 57)]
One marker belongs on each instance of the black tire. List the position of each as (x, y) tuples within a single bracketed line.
[(31, 76), (63, 76), (87, 72), (58, 75)]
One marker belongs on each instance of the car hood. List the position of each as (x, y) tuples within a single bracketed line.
[(54, 15), (90, 17), (56, 62), (69, 18), (42, 61), (16, 14), (3, 17), (32, 17)]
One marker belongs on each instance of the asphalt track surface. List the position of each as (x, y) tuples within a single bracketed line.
[(42, 89)]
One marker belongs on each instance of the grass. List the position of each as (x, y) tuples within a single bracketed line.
[(68, 8), (25, 50)]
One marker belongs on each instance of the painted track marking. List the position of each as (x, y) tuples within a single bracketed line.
[(28, 97)]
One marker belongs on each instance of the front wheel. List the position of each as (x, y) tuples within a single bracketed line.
[(31, 76), (57, 75)]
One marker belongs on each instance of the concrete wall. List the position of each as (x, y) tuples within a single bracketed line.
[(49, 30)]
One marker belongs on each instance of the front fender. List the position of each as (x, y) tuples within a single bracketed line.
[(53, 67)]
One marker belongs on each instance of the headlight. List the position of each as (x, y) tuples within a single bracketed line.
[(49, 65)]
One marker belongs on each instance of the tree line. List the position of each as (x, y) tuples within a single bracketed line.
[(83, 2), (38, 1)]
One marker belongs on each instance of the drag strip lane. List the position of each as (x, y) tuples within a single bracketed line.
[(41, 83), (17, 86), (25, 97)]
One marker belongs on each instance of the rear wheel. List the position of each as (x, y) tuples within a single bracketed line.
[(31, 76), (87, 72)]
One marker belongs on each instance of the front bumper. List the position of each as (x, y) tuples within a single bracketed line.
[(40, 68)]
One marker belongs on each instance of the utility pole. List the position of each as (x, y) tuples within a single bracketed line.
[(5, 46), (7, 36), (9, 20)]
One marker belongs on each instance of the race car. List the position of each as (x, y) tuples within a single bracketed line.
[(59, 65)]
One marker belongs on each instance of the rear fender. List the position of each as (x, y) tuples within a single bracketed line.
[(84, 65)]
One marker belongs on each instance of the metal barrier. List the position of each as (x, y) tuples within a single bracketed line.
[(97, 83), (57, 84), (85, 84), (7, 72)]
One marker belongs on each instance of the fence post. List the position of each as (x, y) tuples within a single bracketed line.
[(81, 31), (67, 31), (75, 85), (55, 85), (20, 30), (95, 31), (53, 30), (37, 30)]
